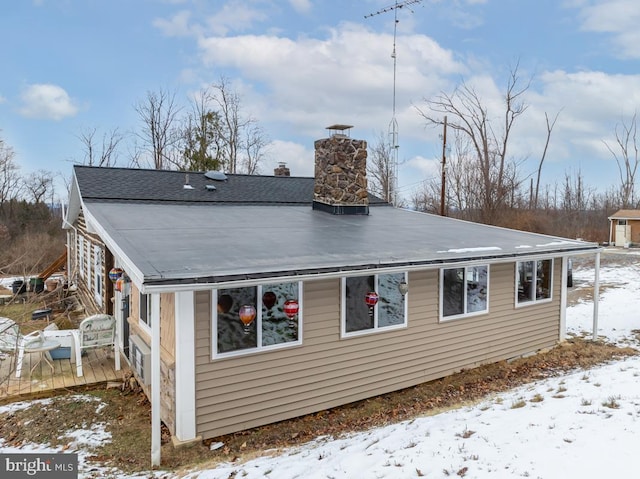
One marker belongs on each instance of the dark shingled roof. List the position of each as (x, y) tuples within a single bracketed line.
[(257, 227), (96, 183)]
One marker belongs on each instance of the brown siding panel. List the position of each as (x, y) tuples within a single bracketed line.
[(326, 371)]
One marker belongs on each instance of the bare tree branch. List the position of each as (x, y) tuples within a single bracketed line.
[(159, 133), (627, 161), (468, 116)]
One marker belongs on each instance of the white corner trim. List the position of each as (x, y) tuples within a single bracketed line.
[(563, 298), (155, 381), (185, 366)]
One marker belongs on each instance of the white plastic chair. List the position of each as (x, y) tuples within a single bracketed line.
[(97, 331), (11, 341), (9, 335)]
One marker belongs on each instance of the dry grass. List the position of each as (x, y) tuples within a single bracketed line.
[(127, 414)]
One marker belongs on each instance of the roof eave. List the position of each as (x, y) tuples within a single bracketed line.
[(158, 285)]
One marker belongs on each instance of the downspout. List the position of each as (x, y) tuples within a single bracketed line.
[(596, 296), (610, 231)]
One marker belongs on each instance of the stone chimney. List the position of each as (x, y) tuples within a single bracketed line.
[(341, 174), (282, 170)]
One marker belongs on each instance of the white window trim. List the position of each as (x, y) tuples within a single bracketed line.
[(87, 259), (98, 281), (446, 319), (81, 259), (146, 326), (259, 347), (376, 329), (534, 301)]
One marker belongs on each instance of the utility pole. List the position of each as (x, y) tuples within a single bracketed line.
[(444, 169), (393, 125)]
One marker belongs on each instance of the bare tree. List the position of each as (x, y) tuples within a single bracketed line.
[(426, 198), (242, 142), (103, 153), (159, 133), (255, 143), (468, 115), (37, 185), (626, 156), (380, 170), (228, 103), (9, 174), (550, 125)]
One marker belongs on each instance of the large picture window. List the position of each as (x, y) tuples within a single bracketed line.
[(533, 281), (389, 311), (464, 291), (259, 317)]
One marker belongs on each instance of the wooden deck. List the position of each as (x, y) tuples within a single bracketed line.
[(98, 368)]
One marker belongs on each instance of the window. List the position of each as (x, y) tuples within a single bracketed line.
[(87, 258), (255, 318), (145, 310), (390, 311), (464, 291), (97, 274), (81, 260), (533, 281)]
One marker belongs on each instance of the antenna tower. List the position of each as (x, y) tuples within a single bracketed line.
[(393, 125)]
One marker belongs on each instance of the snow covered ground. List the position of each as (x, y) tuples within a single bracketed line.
[(583, 425)]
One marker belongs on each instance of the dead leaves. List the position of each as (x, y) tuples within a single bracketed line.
[(467, 386)]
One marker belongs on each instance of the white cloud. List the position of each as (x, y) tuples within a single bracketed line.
[(299, 160), (301, 6), (619, 18), (46, 101), (176, 26), (344, 78), (230, 17), (234, 16)]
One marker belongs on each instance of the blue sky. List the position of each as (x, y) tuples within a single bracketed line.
[(301, 65)]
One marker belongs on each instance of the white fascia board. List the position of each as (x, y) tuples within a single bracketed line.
[(74, 206), (178, 287), (125, 263)]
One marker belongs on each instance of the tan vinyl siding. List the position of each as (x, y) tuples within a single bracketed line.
[(327, 371), (167, 324)]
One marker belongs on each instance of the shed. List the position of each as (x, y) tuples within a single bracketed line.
[(624, 228)]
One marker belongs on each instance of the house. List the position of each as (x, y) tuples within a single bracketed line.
[(252, 299), (624, 228)]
